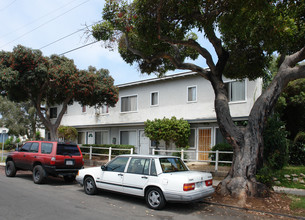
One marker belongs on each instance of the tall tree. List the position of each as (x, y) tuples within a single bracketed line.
[(26, 74), (20, 118), (158, 36)]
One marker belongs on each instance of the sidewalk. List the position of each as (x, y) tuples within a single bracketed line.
[(298, 192)]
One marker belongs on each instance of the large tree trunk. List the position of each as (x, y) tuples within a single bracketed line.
[(247, 142)]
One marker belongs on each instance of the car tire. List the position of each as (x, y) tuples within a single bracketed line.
[(89, 186), (69, 179), (155, 199), (10, 169), (39, 174)]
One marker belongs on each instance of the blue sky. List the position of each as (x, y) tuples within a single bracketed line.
[(37, 23)]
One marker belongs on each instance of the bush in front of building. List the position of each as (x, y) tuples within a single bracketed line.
[(297, 150), (222, 156), (95, 149)]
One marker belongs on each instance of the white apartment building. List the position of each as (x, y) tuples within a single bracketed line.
[(185, 95)]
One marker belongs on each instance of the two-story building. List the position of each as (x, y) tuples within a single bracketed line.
[(185, 95)]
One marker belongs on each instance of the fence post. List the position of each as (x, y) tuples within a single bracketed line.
[(90, 153), (153, 151), (109, 156), (182, 154), (131, 150), (216, 162)]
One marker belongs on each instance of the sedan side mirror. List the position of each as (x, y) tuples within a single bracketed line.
[(103, 167)]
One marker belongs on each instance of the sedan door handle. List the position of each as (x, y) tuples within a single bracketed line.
[(144, 177), (120, 174)]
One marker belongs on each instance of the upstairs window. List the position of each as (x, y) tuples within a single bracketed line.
[(129, 103), (192, 93), (154, 98), (236, 91), (53, 112), (105, 109)]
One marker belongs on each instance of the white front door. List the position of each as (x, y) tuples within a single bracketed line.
[(144, 143)]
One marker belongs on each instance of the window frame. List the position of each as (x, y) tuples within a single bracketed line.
[(229, 90), (187, 93), (130, 130), (151, 98), (131, 111)]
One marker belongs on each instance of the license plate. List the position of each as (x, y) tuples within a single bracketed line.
[(69, 162), (199, 184)]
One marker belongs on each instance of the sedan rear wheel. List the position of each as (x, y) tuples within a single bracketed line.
[(155, 199), (89, 186)]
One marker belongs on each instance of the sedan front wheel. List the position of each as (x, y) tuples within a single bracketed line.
[(89, 186)]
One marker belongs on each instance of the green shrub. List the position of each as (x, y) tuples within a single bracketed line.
[(222, 157), (297, 150), (106, 151), (265, 176), (275, 143), (178, 154)]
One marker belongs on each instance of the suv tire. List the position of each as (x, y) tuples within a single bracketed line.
[(39, 174), (10, 169)]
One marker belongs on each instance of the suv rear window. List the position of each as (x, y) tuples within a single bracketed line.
[(67, 149)]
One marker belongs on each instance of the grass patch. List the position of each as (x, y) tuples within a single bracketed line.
[(289, 170), (298, 202)]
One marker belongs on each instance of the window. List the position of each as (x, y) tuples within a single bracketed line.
[(105, 109), (154, 98), (218, 137), (34, 148), (26, 147), (67, 149), (153, 170), (101, 137), (53, 112), (192, 94), (192, 138), (46, 148), (129, 103), (81, 139), (128, 137), (236, 91), (172, 165), (84, 109), (117, 165), (139, 166)]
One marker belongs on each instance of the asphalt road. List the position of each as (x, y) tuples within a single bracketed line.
[(20, 198)]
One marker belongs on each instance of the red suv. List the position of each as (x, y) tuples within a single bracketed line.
[(45, 158)]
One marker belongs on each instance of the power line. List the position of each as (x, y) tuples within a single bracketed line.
[(45, 23), (67, 36), (33, 21), (5, 7), (79, 47)]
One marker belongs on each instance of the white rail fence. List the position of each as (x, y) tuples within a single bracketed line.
[(182, 152)]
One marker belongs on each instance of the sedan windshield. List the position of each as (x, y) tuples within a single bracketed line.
[(172, 165)]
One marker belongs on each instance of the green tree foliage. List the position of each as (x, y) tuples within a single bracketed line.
[(297, 150), (177, 131), (67, 133), (20, 118), (275, 143), (26, 74)]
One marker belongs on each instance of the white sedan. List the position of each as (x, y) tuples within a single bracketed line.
[(159, 179)]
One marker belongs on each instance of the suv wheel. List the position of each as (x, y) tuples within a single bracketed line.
[(10, 169), (69, 179), (155, 199), (39, 174), (89, 186)]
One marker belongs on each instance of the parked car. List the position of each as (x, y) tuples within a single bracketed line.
[(45, 158), (159, 179)]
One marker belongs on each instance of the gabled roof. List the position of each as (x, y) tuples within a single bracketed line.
[(169, 77)]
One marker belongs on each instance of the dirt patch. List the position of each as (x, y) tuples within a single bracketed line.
[(276, 203)]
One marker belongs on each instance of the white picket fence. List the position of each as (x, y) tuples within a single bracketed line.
[(154, 151)]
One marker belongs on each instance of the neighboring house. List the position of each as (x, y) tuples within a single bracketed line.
[(185, 95)]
